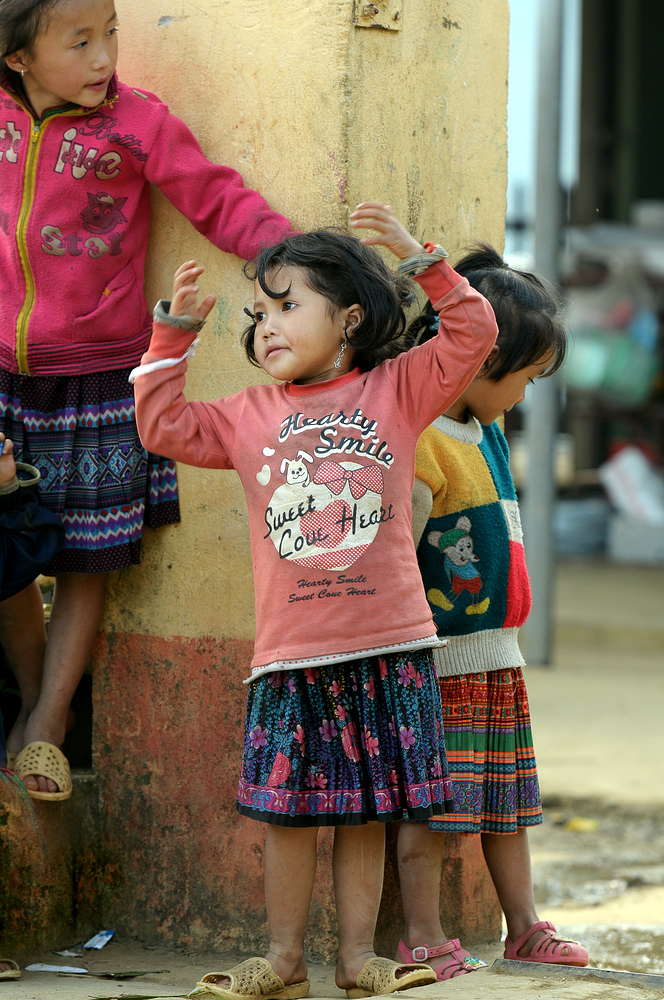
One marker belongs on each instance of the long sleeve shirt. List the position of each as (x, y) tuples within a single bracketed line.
[(327, 470)]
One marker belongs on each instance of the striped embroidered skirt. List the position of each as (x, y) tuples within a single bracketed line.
[(80, 432), (489, 745), (345, 743)]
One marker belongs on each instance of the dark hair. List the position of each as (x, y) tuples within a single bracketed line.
[(344, 271), (527, 313), (20, 23)]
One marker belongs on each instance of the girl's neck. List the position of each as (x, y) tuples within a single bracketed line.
[(458, 412), (320, 379), (324, 379)]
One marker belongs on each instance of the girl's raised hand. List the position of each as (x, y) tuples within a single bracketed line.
[(391, 234), (185, 292)]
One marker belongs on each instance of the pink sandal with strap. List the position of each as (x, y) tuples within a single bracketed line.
[(550, 948), (460, 961)]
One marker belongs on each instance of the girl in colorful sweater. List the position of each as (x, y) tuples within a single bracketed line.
[(78, 153), (466, 522), (343, 721)]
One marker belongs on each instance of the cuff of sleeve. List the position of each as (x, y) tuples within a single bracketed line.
[(169, 341), (418, 262), (162, 314), (438, 280), (26, 476), (10, 488)]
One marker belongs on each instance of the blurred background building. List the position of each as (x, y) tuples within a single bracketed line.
[(609, 449)]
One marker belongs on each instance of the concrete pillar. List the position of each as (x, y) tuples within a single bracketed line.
[(317, 113)]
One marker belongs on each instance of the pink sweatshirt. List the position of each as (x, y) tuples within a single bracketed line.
[(74, 220), (327, 470)]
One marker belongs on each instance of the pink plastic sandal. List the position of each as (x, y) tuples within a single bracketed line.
[(550, 947), (460, 961)]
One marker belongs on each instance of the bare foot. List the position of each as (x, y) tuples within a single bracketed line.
[(292, 969), (291, 972), (38, 732), (348, 971)]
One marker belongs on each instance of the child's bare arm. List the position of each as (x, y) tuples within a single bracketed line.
[(185, 292), (391, 234), (7, 463)]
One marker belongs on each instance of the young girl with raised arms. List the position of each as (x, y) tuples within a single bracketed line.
[(343, 722), (466, 521), (78, 152)]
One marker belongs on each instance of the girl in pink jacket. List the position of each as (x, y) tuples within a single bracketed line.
[(78, 153)]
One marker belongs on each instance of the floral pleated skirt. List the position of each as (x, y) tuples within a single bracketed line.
[(80, 432), (489, 743), (345, 743)]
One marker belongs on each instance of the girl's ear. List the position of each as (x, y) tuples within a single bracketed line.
[(353, 318), (17, 61), (489, 362)]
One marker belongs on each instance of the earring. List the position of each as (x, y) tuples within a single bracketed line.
[(22, 72), (344, 345)]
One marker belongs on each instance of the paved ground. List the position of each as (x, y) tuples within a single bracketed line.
[(598, 860), (183, 973)]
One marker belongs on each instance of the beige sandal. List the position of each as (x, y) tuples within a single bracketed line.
[(251, 980), (13, 973), (379, 977), (46, 760)]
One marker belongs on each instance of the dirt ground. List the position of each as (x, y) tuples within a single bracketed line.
[(598, 858)]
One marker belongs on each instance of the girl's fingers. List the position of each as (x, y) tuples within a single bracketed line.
[(206, 306), (187, 277), (185, 304), (188, 293), (368, 217), (186, 274), (372, 205), (185, 267), (373, 209)]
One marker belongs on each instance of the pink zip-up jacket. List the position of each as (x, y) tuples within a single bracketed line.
[(327, 470), (74, 220)]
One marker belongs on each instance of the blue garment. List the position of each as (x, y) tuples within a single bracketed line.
[(30, 535), (345, 743)]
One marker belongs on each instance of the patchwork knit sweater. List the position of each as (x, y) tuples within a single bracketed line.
[(471, 552)]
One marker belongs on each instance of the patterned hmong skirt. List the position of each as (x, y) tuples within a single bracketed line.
[(80, 432), (345, 743), (489, 745)]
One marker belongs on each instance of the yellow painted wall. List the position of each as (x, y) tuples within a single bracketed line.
[(316, 114)]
